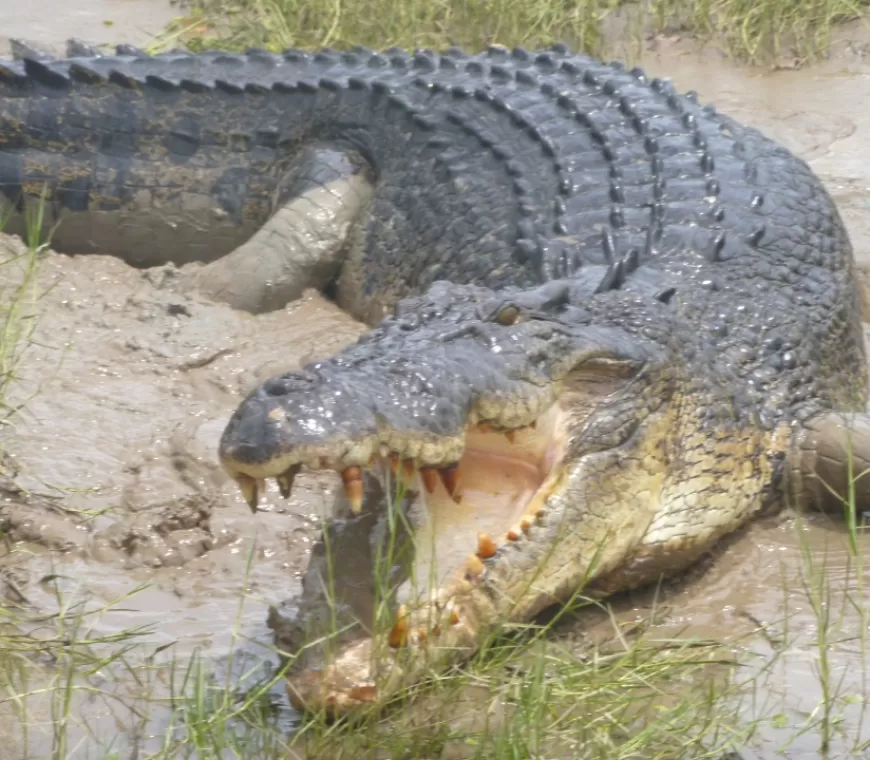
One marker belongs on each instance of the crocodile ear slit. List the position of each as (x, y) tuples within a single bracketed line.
[(829, 462)]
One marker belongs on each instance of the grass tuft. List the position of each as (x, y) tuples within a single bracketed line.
[(758, 32), (18, 301)]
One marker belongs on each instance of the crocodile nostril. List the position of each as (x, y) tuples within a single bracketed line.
[(288, 383), (277, 386)]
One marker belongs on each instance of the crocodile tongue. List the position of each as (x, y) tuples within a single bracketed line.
[(497, 478)]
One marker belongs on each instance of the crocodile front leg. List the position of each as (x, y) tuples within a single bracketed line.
[(828, 463), (303, 243)]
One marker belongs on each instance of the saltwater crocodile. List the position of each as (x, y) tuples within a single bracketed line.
[(643, 307)]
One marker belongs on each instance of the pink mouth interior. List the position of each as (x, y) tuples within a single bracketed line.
[(498, 479)]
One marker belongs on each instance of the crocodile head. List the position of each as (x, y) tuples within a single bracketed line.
[(581, 399)]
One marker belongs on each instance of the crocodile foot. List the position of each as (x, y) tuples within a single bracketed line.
[(829, 462)]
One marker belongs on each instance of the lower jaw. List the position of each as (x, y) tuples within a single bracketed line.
[(500, 477)]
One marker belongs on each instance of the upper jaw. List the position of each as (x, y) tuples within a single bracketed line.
[(413, 387), (417, 404), (407, 389)]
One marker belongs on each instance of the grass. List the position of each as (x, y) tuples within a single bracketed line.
[(17, 303), (760, 32), (531, 693), (632, 696)]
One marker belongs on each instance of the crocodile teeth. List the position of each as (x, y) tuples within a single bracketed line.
[(485, 546), (429, 477), (250, 489), (285, 480), (353, 488), (450, 478), (399, 632), (516, 533), (407, 466), (510, 435)]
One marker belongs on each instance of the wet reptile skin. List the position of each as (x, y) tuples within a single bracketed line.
[(692, 273)]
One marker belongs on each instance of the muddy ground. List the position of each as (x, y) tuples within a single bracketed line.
[(99, 22), (127, 385)]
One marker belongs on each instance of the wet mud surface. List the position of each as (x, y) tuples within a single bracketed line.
[(110, 475), (134, 385), (98, 22)]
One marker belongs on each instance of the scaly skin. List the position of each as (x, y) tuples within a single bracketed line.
[(655, 303)]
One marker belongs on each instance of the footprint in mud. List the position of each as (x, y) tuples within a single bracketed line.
[(168, 535), (807, 134), (31, 518), (810, 134), (168, 501)]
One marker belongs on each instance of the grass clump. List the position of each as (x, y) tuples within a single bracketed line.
[(765, 31), (534, 691), (17, 301), (280, 24), (759, 32)]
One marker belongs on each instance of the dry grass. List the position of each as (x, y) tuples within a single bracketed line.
[(755, 31)]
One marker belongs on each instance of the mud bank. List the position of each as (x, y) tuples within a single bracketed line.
[(99, 22), (111, 479), (110, 472)]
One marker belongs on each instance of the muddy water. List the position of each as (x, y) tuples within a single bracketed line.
[(135, 382)]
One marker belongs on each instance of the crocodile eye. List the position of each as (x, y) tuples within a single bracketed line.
[(507, 315)]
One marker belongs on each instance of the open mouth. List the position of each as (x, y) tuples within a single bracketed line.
[(492, 497), (493, 488), (480, 431)]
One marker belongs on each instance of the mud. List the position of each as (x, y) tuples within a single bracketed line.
[(110, 478), (112, 462), (99, 22)]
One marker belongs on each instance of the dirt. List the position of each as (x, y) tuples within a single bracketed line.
[(135, 384), (111, 480), (114, 453), (97, 22)]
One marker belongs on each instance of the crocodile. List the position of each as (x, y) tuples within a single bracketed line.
[(639, 312)]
